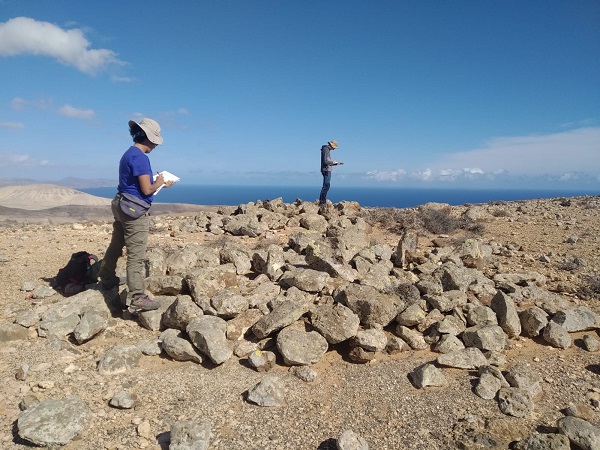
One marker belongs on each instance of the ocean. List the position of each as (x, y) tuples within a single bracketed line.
[(365, 196)]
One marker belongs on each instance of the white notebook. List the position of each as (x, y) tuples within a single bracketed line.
[(168, 176)]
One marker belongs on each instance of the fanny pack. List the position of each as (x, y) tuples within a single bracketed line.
[(133, 206)]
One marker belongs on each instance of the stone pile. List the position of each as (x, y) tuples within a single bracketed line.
[(331, 285)]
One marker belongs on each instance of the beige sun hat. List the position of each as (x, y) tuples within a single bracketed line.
[(151, 128), (333, 144)]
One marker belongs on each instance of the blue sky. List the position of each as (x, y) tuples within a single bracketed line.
[(417, 93)]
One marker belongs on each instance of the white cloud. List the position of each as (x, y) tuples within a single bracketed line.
[(20, 104), (21, 160), (23, 35), (382, 175), (13, 125), (570, 151), (75, 113)]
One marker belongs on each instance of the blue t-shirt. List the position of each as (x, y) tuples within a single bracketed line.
[(134, 163)]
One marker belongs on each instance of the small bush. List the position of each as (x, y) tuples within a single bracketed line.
[(392, 219), (500, 213), (591, 286), (439, 222)]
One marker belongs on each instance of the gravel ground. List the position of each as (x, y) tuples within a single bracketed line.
[(375, 400)]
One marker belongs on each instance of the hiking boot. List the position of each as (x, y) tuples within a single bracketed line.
[(143, 303)]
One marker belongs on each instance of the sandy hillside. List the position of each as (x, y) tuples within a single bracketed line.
[(45, 196)]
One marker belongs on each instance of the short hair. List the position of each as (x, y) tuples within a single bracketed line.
[(138, 135)]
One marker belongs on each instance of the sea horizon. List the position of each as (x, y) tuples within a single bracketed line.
[(213, 195)]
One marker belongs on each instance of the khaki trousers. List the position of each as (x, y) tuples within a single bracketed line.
[(132, 234)]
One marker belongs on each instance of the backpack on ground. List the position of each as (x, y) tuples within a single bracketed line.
[(81, 269)]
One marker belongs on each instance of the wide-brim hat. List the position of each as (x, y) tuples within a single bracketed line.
[(151, 128), (333, 144)]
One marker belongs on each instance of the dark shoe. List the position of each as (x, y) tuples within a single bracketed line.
[(143, 303)]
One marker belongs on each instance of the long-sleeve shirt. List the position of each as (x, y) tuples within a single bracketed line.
[(326, 161)]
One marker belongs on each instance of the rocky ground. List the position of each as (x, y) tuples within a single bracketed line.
[(377, 400)]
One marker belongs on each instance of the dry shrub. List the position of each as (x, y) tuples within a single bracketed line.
[(500, 213), (591, 286), (392, 219), (437, 221)]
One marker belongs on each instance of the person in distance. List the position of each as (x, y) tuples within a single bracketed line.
[(326, 167)]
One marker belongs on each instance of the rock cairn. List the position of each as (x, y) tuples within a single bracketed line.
[(329, 285)]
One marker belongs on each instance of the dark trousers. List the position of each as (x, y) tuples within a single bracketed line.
[(325, 188)]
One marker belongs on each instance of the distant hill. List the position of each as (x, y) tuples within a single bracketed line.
[(45, 196), (72, 182)]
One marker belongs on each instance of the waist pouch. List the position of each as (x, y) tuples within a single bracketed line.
[(133, 206)]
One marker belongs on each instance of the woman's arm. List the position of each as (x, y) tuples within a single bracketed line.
[(147, 187)]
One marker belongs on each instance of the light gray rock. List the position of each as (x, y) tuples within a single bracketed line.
[(336, 322), (305, 373), (396, 344), (13, 332), (92, 322), (152, 320), (206, 281), (448, 343), (487, 386), (590, 343), (189, 435), (372, 307), (580, 432), (427, 375), (411, 316), (119, 359), (180, 313), (52, 423), (282, 315), (228, 303), (349, 440), (480, 315), (556, 335), (453, 277), (207, 333), (165, 284), (523, 376), (178, 348), (486, 337), (533, 321), (451, 324), (269, 262), (27, 318), (467, 358), (322, 257), (406, 245), (123, 400), (308, 280), (262, 360), (270, 391), (245, 225), (505, 310), (372, 340), (241, 324), (447, 300), (515, 402), (299, 347), (538, 441), (237, 255), (412, 338), (580, 318)]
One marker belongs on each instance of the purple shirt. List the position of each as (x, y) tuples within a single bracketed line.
[(134, 163)]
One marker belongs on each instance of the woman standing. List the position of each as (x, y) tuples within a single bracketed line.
[(129, 207)]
